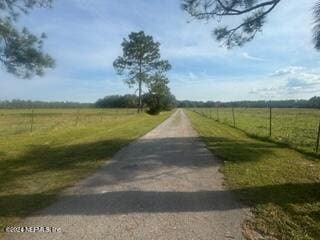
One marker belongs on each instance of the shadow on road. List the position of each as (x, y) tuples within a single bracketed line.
[(126, 202), (187, 153)]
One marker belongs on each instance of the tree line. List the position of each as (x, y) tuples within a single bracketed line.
[(168, 103), (132, 101), (313, 102), (16, 103)]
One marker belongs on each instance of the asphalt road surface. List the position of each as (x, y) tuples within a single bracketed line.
[(165, 185)]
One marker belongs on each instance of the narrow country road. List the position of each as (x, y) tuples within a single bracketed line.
[(165, 185)]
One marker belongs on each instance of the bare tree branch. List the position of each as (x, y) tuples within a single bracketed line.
[(254, 12)]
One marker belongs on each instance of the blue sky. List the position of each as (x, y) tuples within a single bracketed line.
[(85, 36)]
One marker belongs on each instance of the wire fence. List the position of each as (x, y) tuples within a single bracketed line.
[(299, 128), (18, 121)]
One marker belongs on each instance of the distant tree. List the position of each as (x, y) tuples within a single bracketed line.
[(159, 96), (20, 51), (117, 101), (169, 102), (314, 102), (254, 13), (140, 59)]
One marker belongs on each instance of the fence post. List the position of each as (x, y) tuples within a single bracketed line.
[(270, 121), (318, 139), (77, 118), (32, 116), (234, 119), (218, 114)]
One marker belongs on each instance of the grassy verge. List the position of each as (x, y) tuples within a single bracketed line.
[(295, 127), (35, 167), (281, 184)]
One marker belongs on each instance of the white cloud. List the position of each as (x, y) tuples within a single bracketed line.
[(248, 56), (291, 82), (291, 70), (311, 75)]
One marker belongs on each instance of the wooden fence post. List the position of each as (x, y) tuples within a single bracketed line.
[(77, 118), (32, 116), (318, 139), (270, 121), (218, 114), (234, 119)]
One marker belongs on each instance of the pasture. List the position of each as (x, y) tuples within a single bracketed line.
[(43, 152), (297, 128), (281, 184), (18, 121)]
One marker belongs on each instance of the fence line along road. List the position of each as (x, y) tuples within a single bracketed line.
[(297, 127)]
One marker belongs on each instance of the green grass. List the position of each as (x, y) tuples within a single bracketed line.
[(297, 128), (17, 121), (281, 184), (35, 167)]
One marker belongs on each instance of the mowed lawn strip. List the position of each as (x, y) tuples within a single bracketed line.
[(35, 167), (281, 184)]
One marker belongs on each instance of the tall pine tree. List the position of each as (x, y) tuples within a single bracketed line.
[(140, 59)]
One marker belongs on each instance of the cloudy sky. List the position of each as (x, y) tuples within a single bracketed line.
[(84, 37)]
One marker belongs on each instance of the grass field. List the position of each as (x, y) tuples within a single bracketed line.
[(17, 121), (281, 184), (63, 147), (295, 127)]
